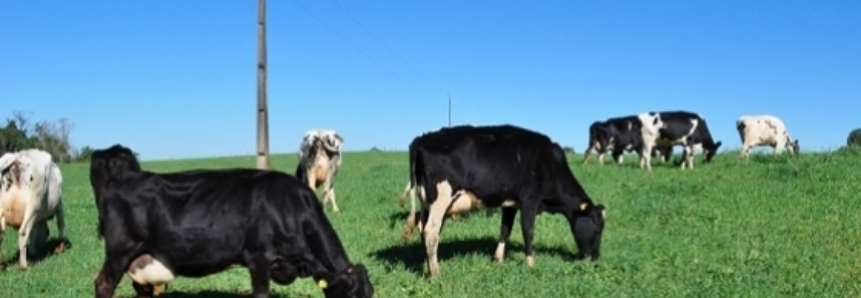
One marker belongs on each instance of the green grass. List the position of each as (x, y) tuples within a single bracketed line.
[(768, 227)]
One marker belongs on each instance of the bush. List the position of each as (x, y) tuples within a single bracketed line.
[(854, 138), (568, 149)]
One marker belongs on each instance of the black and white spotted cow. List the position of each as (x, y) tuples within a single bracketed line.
[(507, 167), (667, 129)]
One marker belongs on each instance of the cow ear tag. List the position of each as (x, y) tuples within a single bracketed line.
[(322, 284), (583, 206)]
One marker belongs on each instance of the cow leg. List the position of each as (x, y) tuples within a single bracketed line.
[(143, 291), (601, 152), (2, 235), (618, 155), (38, 239), (433, 225), (646, 156), (329, 194), (24, 235), (402, 199), (260, 271), (411, 219), (589, 151), (110, 275), (688, 157), (527, 227), (60, 216), (745, 151), (508, 215), (778, 147)]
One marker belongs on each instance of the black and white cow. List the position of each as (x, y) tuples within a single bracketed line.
[(619, 135), (470, 167), (200, 222), (667, 129)]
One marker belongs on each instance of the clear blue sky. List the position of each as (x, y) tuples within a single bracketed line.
[(178, 78)]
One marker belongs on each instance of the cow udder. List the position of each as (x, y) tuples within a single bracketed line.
[(14, 207)]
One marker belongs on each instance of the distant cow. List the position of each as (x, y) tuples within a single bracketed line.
[(31, 191), (319, 162), (618, 135), (200, 222), (666, 129), (764, 130), (469, 167)]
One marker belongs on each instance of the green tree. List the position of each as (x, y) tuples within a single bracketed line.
[(854, 139)]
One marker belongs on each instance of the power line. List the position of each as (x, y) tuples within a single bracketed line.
[(357, 48), (379, 40)]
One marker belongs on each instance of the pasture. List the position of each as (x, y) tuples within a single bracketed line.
[(769, 227)]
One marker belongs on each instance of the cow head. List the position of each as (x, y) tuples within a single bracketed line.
[(352, 282), (792, 146), (711, 151), (588, 228), (108, 163)]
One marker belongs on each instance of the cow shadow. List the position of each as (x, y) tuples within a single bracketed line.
[(208, 294), (398, 219), (412, 255), (42, 252)]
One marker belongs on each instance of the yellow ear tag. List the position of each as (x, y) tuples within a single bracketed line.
[(322, 284), (583, 206)]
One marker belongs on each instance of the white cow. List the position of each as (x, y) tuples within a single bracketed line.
[(31, 190), (764, 130), (319, 162)]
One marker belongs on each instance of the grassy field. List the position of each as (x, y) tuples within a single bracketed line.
[(768, 227)]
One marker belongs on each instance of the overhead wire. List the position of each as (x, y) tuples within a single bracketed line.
[(358, 49)]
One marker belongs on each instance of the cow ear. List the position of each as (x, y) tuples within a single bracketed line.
[(339, 138)]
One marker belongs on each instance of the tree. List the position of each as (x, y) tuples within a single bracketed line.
[(854, 139)]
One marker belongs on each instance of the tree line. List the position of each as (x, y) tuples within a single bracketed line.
[(21, 132)]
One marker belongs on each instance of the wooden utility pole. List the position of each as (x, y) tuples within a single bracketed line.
[(262, 107), (449, 109)]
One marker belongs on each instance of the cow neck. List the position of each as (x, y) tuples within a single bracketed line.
[(328, 251)]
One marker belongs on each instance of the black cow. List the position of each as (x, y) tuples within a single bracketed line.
[(200, 222), (666, 129), (467, 167), (619, 135)]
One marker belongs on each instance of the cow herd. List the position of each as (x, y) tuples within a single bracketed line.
[(652, 133), (193, 223)]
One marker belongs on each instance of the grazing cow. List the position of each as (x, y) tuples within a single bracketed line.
[(31, 191), (200, 222), (667, 129), (619, 135), (764, 130), (469, 167), (319, 162)]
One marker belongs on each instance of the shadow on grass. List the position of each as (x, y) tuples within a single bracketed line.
[(412, 255), (208, 294), (42, 253), (398, 219)]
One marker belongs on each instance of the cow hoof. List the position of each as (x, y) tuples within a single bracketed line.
[(530, 261), (22, 267), (61, 247), (158, 289)]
